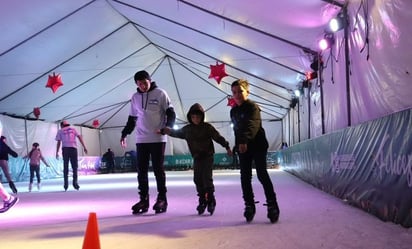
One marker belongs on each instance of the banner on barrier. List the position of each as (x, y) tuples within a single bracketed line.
[(369, 166)]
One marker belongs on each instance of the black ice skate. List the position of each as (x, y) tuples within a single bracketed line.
[(211, 203), (66, 184), (142, 206), (161, 205), (76, 186), (250, 211), (273, 211), (201, 208), (202, 204)]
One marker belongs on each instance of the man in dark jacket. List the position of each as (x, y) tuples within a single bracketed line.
[(199, 136), (108, 158), (5, 151)]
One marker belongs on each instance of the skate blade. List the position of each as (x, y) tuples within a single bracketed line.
[(273, 218), (159, 211), (200, 211), (249, 217), (211, 209), (139, 211)]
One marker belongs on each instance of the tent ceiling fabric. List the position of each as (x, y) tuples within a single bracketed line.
[(97, 46)]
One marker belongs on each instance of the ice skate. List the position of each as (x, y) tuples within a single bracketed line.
[(202, 204), (201, 208), (161, 205), (66, 184), (273, 211), (76, 186), (142, 206), (211, 203), (9, 204), (30, 187), (250, 211)]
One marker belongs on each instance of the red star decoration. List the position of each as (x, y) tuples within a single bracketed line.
[(217, 72), (231, 101), (54, 82), (96, 123), (36, 112)]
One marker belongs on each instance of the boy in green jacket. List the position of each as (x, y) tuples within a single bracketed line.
[(199, 136)]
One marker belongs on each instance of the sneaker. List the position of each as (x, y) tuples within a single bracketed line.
[(10, 203)]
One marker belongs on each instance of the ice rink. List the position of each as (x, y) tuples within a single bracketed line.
[(309, 218)]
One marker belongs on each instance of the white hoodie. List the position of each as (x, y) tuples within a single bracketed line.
[(150, 109)]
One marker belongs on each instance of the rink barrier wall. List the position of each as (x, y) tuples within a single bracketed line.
[(368, 166), (20, 169)]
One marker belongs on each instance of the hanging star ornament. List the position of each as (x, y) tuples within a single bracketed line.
[(54, 82), (231, 101), (217, 72), (36, 112), (96, 123)]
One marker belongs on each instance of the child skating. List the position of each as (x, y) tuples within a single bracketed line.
[(35, 156), (252, 145), (199, 136)]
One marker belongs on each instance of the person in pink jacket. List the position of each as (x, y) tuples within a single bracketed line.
[(35, 157)]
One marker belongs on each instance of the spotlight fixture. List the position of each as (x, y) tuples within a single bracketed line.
[(299, 92), (327, 41), (293, 103), (337, 23), (316, 63)]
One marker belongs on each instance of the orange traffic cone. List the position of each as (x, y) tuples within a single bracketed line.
[(91, 236)]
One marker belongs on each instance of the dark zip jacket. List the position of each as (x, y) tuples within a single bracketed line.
[(247, 125), (5, 150), (199, 137)]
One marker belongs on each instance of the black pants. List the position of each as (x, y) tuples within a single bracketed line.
[(155, 152), (70, 155), (203, 175), (110, 166), (245, 160), (34, 169)]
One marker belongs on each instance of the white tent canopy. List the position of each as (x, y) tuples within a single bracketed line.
[(97, 46)]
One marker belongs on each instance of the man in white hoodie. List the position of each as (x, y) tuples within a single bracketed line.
[(151, 110)]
